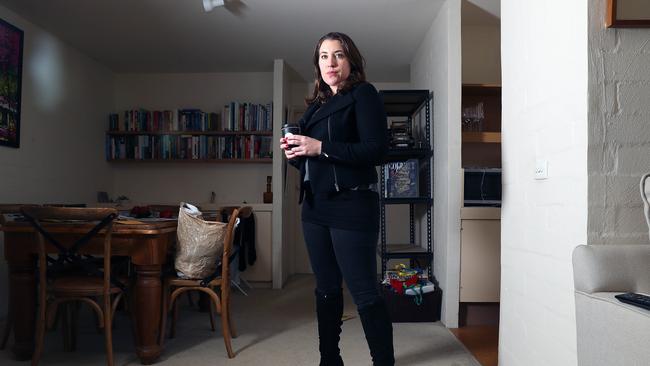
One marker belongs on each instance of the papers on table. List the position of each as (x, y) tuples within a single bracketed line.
[(8, 217), (129, 220)]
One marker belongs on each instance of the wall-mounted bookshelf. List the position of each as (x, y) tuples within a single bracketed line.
[(195, 133), (184, 161), (241, 134)]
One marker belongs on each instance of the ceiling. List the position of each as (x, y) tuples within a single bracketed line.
[(178, 36)]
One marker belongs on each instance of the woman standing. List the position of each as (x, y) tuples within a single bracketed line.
[(343, 137)]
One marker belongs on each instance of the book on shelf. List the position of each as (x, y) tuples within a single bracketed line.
[(142, 120), (188, 147), (241, 116), (235, 116), (401, 179)]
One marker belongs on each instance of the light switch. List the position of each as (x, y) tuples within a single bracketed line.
[(541, 169)]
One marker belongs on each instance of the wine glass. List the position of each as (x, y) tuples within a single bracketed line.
[(469, 113), (478, 124)]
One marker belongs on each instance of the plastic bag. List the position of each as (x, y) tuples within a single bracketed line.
[(200, 243), (402, 277)]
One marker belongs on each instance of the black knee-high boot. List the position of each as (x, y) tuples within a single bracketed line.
[(379, 332), (329, 310)]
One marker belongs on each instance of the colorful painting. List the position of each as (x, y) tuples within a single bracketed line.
[(11, 65)]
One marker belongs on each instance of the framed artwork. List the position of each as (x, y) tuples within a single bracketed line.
[(11, 69), (628, 14)]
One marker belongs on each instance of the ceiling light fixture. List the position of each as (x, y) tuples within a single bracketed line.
[(208, 5)]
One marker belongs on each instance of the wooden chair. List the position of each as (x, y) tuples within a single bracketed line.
[(220, 299), (13, 208), (58, 285)]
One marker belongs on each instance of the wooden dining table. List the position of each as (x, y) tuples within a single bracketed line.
[(146, 244)]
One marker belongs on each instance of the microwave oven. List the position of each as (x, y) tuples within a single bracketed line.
[(482, 187)]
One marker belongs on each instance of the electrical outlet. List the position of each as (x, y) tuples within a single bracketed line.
[(541, 169)]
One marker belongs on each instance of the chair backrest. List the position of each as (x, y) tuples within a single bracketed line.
[(233, 212), (645, 196), (68, 254)]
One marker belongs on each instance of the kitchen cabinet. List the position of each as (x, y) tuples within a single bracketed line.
[(480, 254)]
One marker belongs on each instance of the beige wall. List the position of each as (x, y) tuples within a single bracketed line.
[(481, 54), (174, 182), (66, 97)]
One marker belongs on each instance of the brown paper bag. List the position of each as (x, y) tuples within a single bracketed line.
[(200, 244)]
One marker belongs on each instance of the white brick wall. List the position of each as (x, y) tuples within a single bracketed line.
[(619, 132), (544, 78)]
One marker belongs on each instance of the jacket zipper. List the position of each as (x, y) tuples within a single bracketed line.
[(329, 136)]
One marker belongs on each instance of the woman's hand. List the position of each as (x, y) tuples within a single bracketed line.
[(301, 146), (284, 145)]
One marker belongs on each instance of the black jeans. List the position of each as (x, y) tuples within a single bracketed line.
[(337, 255)]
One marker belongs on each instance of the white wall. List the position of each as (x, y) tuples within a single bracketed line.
[(481, 54), (544, 60), (280, 99), (65, 99), (437, 66), (160, 182), (619, 132)]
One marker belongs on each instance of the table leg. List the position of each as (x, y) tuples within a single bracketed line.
[(148, 291), (22, 295)]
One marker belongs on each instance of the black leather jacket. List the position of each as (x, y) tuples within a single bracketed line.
[(354, 135)]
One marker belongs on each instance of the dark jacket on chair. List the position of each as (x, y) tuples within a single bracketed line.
[(245, 238), (354, 135)]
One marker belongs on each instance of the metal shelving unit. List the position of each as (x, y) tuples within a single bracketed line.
[(409, 103)]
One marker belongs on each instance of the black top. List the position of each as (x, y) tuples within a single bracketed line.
[(352, 128)]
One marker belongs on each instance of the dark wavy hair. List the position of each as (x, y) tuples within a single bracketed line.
[(322, 91)]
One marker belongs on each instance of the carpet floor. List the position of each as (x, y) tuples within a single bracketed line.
[(275, 327)]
